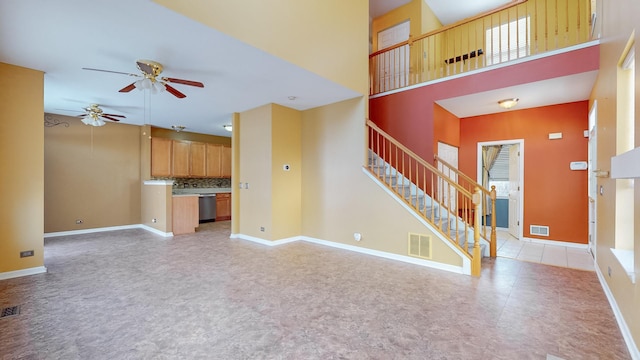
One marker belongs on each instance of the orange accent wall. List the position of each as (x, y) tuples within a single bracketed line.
[(554, 195), (446, 128)]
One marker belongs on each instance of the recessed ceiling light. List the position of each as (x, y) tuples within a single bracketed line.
[(292, 98), (508, 103), (228, 127)]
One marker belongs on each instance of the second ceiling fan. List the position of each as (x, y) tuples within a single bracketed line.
[(149, 79)]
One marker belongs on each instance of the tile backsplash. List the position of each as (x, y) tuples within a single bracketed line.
[(180, 183)]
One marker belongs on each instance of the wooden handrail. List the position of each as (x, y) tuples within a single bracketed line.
[(418, 159), (462, 175), (450, 26)]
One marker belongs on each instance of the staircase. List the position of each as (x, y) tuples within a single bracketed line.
[(451, 208)]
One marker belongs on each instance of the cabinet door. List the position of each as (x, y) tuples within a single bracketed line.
[(214, 153), (225, 161), (160, 157), (223, 206), (180, 166), (198, 159)]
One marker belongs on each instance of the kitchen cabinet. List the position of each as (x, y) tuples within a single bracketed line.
[(214, 154), (198, 157), (223, 206), (161, 157), (181, 156), (225, 162)]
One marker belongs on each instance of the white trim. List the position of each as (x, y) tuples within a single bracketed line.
[(492, 67), (624, 329), (386, 255), (466, 263), (155, 231), (265, 242), (557, 243), (159, 182), (92, 230), (23, 272), (110, 228)]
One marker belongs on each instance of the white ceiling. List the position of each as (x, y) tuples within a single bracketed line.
[(63, 36)]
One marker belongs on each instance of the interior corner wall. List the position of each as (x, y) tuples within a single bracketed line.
[(550, 187), (617, 20), (91, 174), (446, 128), (22, 167), (286, 184), (339, 199), (307, 34), (254, 175)]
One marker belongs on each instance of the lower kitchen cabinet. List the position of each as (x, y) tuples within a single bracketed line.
[(223, 206)]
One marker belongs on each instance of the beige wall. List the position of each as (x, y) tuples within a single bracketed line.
[(91, 174), (286, 186), (308, 34), (156, 204), (618, 18), (255, 169), (339, 199), (21, 166)]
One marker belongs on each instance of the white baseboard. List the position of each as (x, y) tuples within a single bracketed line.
[(110, 228), (557, 243), (23, 272), (155, 231), (382, 254), (622, 324), (89, 231)]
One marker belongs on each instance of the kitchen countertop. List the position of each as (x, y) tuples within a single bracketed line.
[(198, 191)]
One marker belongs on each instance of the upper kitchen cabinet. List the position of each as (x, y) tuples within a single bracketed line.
[(198, 159), (181, 158), (161, 157), (214, 154), (225, 161)]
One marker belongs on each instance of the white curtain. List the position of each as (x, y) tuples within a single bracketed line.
[(489, 156)]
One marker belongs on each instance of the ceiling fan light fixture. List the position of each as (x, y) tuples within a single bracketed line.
[(508, 103), (228, 127), (92, 121)]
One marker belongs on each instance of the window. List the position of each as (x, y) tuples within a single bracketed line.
[(508, 41)]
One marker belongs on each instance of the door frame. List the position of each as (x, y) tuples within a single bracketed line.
[(593, 180), (520, 143)]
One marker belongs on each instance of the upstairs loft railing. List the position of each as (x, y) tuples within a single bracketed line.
[(517, 30), (453, 209)]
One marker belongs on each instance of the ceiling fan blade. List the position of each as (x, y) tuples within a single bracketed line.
[(128, 87), (114, 115), (174, 92), (109, 117), (184, 82), (110, 71)]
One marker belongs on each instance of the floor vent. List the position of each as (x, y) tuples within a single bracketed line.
[(539, 230), (10, 311), (420, 246)]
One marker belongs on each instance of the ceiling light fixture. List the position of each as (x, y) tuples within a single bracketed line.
[(292, 98), (228, 127), (153, 85), (92, 120), (177, 128), (508, 103)]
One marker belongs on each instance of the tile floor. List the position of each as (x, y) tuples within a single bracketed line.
[(565, 256)]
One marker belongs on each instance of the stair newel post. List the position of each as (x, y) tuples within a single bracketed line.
[(476, 256), (493, 247)]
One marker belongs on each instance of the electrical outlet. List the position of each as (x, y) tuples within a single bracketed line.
[(609, 270), (262, 228), (79, 221), (154, 220), (26, 253)]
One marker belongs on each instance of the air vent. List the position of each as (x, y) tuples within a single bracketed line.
[(420, 246), (10, 311), (539, 230)]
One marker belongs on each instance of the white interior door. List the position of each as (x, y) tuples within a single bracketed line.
[(393, 66), (514, 190), (449, 154)]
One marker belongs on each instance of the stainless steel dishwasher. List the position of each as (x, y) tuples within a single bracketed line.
[(207, 208)]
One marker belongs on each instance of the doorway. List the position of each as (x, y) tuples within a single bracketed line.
[(505, 159), (393, 66)]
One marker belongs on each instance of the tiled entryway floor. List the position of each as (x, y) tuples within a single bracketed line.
[(565, 256)]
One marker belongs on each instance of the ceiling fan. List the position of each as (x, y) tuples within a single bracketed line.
[(95, 116), (149, 79)]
